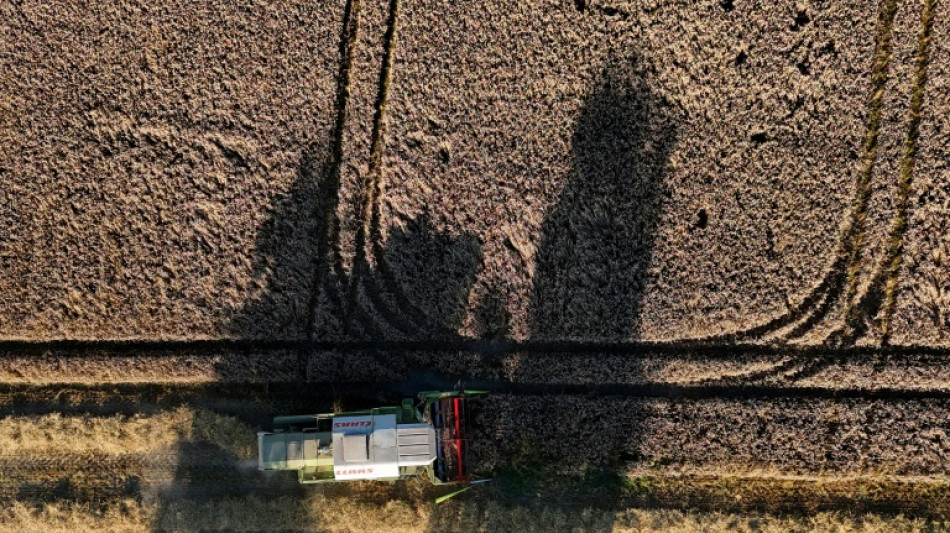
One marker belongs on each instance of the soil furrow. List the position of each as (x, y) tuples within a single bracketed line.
[(217, 347)]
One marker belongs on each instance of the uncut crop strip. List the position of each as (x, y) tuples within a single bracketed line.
[(270, 399), (104, 479), (921, 498), (664, 364), (485, 348), (254, 403)]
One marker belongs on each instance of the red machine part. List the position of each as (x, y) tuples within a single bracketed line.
[(458, 439), (450, 417)]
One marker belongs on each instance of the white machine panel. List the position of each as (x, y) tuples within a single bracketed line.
[(364, 447), (416, 444)]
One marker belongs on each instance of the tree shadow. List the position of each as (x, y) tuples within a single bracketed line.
[(420, 283), (292, 255), (597, 241), (414, 286), (592, 267)]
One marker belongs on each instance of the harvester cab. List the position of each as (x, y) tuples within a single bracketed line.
[(429, 435)]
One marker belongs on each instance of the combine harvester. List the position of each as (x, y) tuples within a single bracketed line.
[(427, 436)]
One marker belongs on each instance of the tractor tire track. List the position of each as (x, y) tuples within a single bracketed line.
[(364, 321), (875, 307), (372, 186), (382, 288), (407, 326), (328, 269), (878, 299), (895, 250)]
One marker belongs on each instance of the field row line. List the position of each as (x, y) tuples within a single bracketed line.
[(488, 348), (116, 398), (727, 493)]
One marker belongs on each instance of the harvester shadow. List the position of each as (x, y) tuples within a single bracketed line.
[(212, 489)]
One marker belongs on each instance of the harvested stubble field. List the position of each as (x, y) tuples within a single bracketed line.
[(696, 250), (183, 468)]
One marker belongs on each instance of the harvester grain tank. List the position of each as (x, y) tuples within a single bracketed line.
[(428, 436)]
